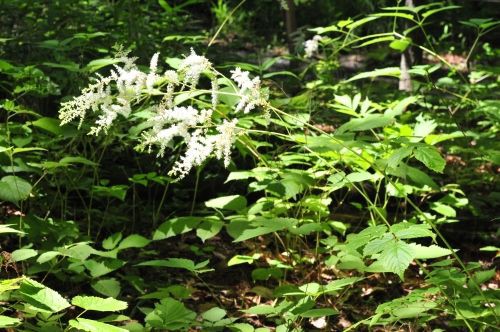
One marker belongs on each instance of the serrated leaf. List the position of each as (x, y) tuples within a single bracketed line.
[(233, 203), (432, 251), (170, 315), (406, 230), (42, 297), (112, 241), (89, 325), (98, 303), (430, 157), (396, 257)]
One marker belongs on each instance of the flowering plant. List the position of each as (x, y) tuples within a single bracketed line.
[(127, 88)]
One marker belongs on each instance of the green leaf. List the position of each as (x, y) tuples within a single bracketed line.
[(14, 189), (23, 254), (261, 309), (391, 72), (432, 251), (6, 321), (108, 287), (48, 124), (370, 121), (242, 259), (179, 263), (170, 315), (315, 313), (112, 241), (42, 297), (209, 228), (98, 303), (430, 157), (444, 209), (89, 325), (233, 203), (244, 230), (406, 230), (133, 241), (101, 268), (47, 256), (214, 314), (396, 257), (176, 226), (5, 229), (97, 64), (400, 45)]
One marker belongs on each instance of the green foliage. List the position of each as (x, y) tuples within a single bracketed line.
[(347, 204)]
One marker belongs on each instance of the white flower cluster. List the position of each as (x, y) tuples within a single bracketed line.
[(127, 80), (250, 92), (311, 46), (127, 86)]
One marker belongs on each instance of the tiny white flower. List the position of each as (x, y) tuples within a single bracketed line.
[(311, 46)]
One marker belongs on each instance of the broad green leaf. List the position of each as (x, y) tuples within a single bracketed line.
[(214, 314), (315, 313), (14, 189), (101, 268), (242, 259), (396, 257), (398, 155), (370, 121), (133, 241), (413, 309), (261, 309), (176, 226), (244, 230), (49, 124), (400, 45), (4, 229), (233, 203), (98, 303), (95, 65), (47, 256), (42, 297), (430, 157), (336, 285), (179, 263), (170, 315), (209, 228), (23, 254), (377, 245), (406, 230), (89, 325), (77, 160), (432, 251), (108, 287), (112, 241), (444, 209), (6, 321), (391, 72)]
